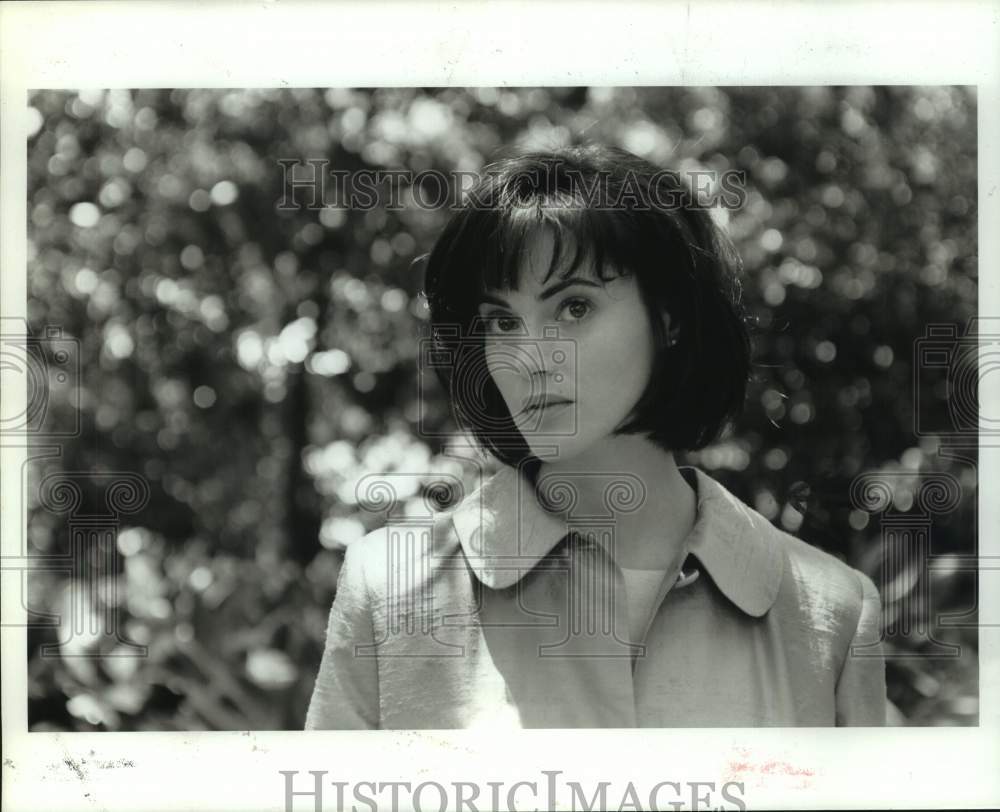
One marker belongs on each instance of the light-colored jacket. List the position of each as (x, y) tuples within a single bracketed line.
[(496, 616)]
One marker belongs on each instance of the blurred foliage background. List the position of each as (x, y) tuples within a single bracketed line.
[(251, 364)]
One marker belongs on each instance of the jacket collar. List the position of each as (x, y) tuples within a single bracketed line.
[(733, 542)]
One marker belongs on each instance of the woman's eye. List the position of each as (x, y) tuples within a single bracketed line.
[(577, 308), (502, 324)]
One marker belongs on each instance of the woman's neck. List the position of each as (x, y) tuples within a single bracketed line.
[(651, 526)]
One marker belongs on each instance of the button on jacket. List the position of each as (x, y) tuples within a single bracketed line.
[(500, 615)]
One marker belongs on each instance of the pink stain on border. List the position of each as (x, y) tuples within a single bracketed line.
[(743, 768)]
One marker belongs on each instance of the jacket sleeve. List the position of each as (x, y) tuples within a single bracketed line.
[(345, 696), (861, 690)]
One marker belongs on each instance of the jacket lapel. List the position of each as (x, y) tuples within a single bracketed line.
[(503, 530), (504, 533)]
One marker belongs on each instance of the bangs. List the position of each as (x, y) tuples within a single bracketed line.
[(581, 242)]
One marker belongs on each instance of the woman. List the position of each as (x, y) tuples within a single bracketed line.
[(587, 328)]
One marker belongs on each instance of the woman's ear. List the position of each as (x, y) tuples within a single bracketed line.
[(673, 335)]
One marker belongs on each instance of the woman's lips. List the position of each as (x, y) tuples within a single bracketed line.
[(548, 406)]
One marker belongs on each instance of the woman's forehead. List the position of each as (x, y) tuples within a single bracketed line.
[(532, 279), (537, 265)]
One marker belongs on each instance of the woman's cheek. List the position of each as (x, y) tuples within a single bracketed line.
[(503, 379), (509, 393), (603, 359)]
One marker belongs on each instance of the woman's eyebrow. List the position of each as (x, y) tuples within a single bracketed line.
[(548, 293)]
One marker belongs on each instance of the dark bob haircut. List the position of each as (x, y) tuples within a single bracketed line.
[(621, 215)]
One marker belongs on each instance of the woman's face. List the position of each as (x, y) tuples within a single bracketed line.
[(571, 357)]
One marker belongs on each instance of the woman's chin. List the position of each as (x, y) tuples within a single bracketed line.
[(556, 446)]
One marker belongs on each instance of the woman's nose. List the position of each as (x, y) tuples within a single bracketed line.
[(548, 353)]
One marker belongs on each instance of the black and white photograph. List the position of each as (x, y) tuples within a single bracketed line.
[(507, 406)]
